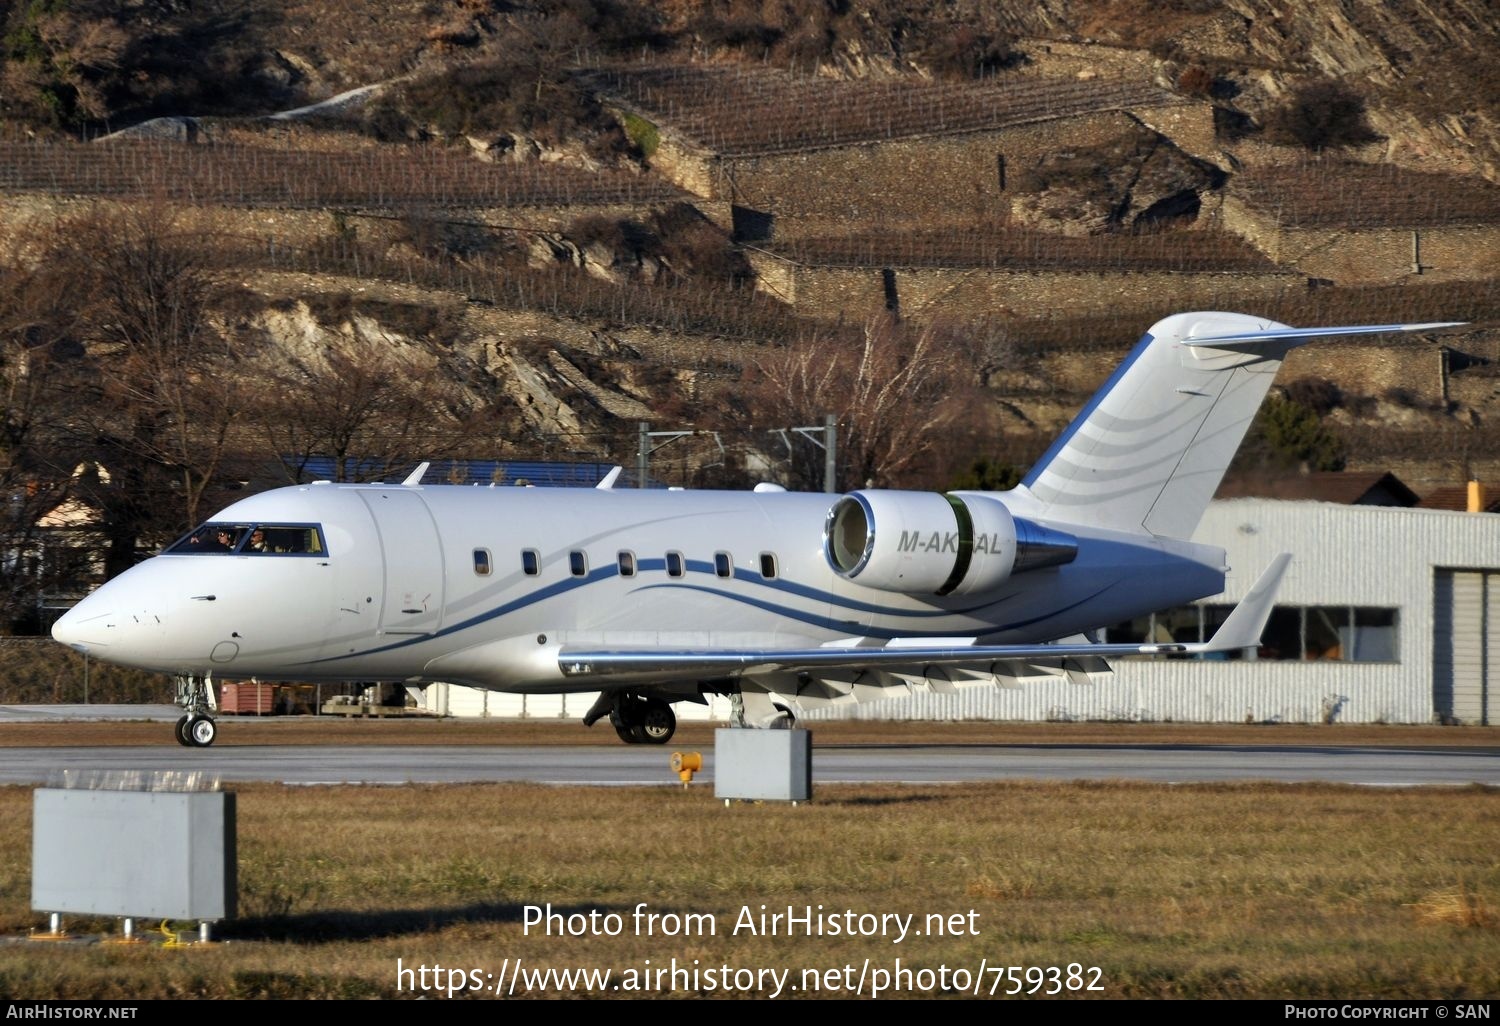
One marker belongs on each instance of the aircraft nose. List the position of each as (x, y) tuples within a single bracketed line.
[(85, 627), (122, 621)]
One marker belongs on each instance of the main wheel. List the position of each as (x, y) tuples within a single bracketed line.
[(201, 732), (658, 722), (621, 719), (181, 732)]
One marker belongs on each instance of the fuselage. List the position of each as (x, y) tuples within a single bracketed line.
[(486, 586)]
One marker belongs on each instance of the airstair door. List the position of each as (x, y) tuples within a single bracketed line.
[(412, 602)]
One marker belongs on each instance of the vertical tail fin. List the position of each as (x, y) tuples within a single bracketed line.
[(1149, 450)]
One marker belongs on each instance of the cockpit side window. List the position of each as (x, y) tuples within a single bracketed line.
[(251, 540), (210, 539)]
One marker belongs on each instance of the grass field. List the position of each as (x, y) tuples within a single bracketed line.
[(1259, 891)]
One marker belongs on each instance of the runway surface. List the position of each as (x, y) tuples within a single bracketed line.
[(895, 763), (1376, 765)]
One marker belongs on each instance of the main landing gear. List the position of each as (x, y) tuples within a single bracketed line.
[(638, 720), (197, 729)]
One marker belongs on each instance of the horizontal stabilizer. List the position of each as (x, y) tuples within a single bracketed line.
[(1148, 451), (1244, 338)]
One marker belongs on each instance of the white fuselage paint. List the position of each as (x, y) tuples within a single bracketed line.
[(395, 594)]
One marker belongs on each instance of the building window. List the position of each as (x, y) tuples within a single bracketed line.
[(1358, 634), (482, 562), (626, 562), (531, 562), (578, 564), (723, 564), (768, 565), (674, 564)]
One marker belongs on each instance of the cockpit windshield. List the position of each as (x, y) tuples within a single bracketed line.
[(251, 540)]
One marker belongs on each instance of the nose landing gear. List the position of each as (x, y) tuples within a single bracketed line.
[(197, 729)]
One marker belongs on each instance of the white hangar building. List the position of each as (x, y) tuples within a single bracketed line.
[(1386, 615)]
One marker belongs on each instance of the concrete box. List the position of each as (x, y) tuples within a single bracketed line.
[(766, 765), (141, 854)]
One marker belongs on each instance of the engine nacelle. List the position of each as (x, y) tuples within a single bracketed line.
[(926, 543)]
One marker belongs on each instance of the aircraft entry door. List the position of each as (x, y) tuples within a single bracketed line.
[(412, 602)]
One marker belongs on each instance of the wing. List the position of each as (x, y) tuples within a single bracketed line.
[(618, 667)]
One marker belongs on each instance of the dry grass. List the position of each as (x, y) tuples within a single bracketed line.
[(1456, 905), (1208, 891)]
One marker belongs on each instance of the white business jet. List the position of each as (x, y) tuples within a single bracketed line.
[(786, 601)]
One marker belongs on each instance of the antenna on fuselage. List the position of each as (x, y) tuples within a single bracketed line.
[(415, 477)]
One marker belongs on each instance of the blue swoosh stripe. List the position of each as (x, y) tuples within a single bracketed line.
[(531, 598), (872, 632), (800, 591)]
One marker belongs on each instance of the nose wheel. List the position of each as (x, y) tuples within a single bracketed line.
[(197, 729)]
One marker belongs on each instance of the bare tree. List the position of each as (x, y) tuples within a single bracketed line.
[(162, 388), (897, 394), (364, 408), (37, 363)]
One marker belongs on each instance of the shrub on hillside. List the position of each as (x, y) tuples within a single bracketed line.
[(1319, 116), (962, 52), (1317, 394), (537, 98)]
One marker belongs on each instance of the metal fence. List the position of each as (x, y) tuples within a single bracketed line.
[(39, 670)]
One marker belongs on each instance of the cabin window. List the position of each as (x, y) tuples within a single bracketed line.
[(626, 562), (482, 562), (578, 564), (768, 565), (674, 564), (723, 564), (531, 562)]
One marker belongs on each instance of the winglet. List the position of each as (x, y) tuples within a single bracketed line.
[(608, 482), (1247, 621), (415, 477)]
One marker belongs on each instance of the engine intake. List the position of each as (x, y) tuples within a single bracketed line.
[(935, 544)]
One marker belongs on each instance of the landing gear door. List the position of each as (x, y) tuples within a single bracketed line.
[(412, 600)]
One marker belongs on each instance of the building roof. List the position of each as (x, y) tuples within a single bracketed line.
[(1456, 497), (1372, 488)]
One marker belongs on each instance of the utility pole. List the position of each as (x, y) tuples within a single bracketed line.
[(829, 430)]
